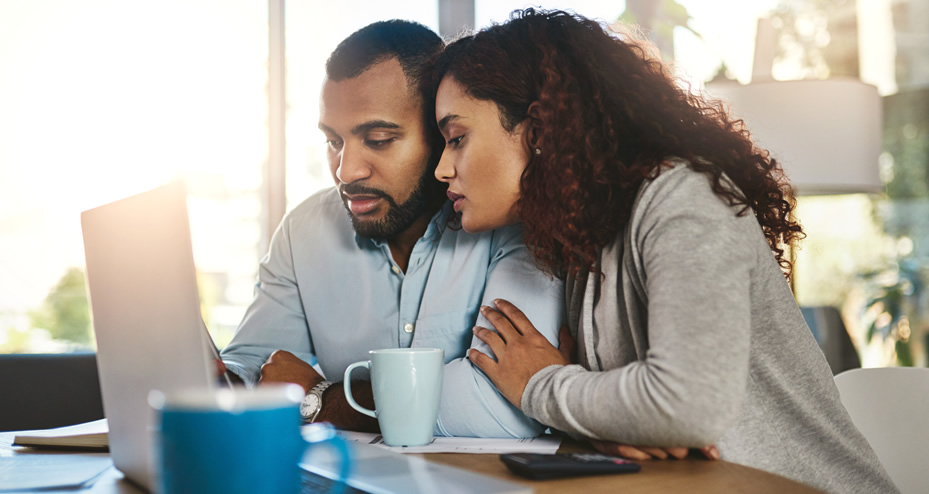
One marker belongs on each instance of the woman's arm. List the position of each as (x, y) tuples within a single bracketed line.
[(696, 258), (514, 372)]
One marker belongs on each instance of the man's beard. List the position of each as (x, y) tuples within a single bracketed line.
[(398, 217)]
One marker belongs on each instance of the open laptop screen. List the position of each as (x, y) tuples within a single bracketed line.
[(146, 315)]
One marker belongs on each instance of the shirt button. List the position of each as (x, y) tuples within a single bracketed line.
[(395, 269), (408, 327)]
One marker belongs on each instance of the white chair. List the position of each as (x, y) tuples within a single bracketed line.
[(890, 406)]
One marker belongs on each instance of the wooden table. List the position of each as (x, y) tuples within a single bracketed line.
[(693, 475)]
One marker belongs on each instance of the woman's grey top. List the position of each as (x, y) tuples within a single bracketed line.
[(692, 337)]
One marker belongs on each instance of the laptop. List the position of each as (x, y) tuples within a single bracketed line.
[(150, 335), (146, 316), (376, 470)]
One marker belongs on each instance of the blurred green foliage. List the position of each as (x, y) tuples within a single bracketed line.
[(65, 313)]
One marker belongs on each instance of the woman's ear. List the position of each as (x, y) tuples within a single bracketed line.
[(534, 129)]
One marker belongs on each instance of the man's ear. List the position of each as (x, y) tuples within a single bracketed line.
[(534, 127)]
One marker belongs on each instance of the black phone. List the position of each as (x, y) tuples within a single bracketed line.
[(553, 466)]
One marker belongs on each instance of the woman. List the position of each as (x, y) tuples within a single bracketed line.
[(669, 226)]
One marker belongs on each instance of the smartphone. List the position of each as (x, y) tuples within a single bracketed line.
[(553, 466)]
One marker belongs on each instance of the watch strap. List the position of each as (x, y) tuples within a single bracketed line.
[(318, 391)]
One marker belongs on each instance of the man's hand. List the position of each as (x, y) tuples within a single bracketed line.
[(647, 453), (520, 349), (284, 367), (221, 372), (220, 369)]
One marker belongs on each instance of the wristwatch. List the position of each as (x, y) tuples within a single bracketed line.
[(313, 402)]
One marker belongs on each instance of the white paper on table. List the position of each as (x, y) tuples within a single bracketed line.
[(91, 435), (94, 427), (43, 471), (546, 444)]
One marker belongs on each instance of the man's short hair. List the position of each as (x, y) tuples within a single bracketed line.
[(411, 43), (414, 46)]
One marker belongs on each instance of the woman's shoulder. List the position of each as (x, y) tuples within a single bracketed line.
[(677, 185), (683, 200)]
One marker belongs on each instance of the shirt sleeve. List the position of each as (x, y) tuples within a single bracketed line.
[(695, 260), (275, 318), (470, 405)]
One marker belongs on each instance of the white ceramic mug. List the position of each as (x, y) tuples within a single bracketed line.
[(407, 384)]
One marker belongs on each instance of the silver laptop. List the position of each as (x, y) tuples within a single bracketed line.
[(146, 315), (150, 335)]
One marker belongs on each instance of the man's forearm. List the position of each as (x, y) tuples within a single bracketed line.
[(339, 413)]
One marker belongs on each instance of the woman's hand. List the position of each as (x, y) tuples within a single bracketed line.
[(646, 453), (520, 349)]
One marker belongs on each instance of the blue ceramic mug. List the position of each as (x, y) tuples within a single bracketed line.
[(234, 440)]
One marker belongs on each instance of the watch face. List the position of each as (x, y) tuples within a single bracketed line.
[(309, 406)]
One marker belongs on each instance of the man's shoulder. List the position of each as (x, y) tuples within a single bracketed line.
[(497, 241), (507, 235), (323, 199), (320, 209)]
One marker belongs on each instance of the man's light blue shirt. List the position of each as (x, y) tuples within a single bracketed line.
[(328, 296)]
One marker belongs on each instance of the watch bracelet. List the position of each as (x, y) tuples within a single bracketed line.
[(319, 390)]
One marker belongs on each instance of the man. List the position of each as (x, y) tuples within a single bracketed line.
[(391, 273)]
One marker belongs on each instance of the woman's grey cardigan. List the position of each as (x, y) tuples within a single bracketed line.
[(692, 337)]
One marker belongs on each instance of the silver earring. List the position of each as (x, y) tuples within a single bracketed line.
[(538, 151)]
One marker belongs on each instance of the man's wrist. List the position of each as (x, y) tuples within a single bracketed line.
[(314, 381), (314, 401)]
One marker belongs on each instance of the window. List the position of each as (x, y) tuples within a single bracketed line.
[(102, 99), (865, 254), (874, 263)]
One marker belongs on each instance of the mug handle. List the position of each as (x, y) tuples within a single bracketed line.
[(347, 386)]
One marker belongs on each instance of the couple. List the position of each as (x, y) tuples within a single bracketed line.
[(569, 149)]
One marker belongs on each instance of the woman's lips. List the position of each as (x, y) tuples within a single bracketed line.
[(457, 200), (362, 204)]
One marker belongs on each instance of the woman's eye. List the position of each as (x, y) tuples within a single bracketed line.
[(454, 142)]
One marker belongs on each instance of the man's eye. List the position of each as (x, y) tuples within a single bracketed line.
[(378, 143), (334, 144)]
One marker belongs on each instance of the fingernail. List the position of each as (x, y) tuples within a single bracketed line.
[(484, 309), (714, 453), (474, 329)]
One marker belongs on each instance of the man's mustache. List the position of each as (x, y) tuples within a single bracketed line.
[(358, 189)]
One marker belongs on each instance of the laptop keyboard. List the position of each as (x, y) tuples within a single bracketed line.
[(311, 483)]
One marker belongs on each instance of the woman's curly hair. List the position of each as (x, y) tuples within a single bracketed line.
[(608, 117)]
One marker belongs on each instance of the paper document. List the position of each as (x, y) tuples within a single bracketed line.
[(90, 435), (543, 444), (32, 471)]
